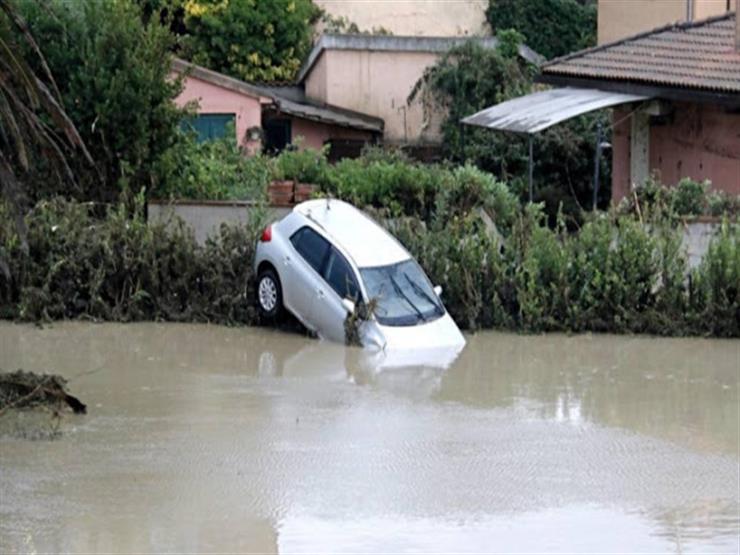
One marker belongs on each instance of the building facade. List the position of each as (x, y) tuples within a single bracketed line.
[(417, 18), (375, 74), (269, 118), (618, 19), (688, 121)]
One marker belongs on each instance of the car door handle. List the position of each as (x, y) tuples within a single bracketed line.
[(286, 260)]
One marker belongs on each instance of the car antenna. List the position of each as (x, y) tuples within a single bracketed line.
[(328, 203)]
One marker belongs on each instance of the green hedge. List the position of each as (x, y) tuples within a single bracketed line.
[(616, 274), (120, 268)]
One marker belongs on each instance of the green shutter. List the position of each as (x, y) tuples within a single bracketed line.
[(209, 126)]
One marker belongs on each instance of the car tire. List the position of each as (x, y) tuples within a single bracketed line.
[(269, 294)]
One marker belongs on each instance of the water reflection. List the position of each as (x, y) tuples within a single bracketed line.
[(202, 438)]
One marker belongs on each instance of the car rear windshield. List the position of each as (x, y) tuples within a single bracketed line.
[(402, 294)]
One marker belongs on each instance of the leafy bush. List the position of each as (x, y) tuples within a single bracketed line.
[(252, 40), (551, 27), (212, 170), (616, 274), (470, 78), (715, 291), (113, 75), (689, 197), (653, 200), (302, 165), (120, 268)]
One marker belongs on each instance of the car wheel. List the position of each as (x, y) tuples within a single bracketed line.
[(269, 294)]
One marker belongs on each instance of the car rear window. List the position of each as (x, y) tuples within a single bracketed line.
[(311, 246), (340, 276)]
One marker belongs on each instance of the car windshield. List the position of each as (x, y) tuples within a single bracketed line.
[(402, 293)]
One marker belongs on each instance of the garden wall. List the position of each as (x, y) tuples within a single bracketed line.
[(205, 217)]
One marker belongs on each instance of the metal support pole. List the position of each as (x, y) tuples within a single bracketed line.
[(597, 160), (531, 168)]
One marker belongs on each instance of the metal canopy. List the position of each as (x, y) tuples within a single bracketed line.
[(537, 111)]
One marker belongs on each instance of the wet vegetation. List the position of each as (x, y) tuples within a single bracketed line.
[(117, 267), (621, 271), (21, 390)]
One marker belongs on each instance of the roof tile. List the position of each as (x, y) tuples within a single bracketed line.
[(697, 55)]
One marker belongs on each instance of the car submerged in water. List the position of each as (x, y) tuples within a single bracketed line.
[(326, 258)]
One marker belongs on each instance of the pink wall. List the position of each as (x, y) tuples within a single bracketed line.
[(701, 142), (315, 134), (621, 185), (213, 99)]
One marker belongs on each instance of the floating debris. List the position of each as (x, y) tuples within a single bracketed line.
[(21, 390)]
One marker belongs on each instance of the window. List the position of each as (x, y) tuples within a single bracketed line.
[(403, 294), (311, 246), (340, 276), (210, 126)]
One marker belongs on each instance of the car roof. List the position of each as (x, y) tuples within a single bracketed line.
[(356, 233)]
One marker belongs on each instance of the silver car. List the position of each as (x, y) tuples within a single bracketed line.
[(325, 257)]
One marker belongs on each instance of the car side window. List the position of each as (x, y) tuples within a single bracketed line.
[(311, 246), (340, 276)]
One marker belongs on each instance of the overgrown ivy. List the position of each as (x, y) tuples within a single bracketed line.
[(470, 78), (253, 40), (551, 27)]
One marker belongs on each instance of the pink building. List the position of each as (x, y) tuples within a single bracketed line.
[(270, 118), (688, 121)]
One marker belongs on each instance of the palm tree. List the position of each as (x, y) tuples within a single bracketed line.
[(32, 118)]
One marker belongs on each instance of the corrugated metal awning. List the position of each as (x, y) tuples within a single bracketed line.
[(538, 111)]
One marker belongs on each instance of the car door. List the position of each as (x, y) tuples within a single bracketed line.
[(303, 272), (339, 282)]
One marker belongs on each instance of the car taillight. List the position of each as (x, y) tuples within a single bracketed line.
[(266, 234)]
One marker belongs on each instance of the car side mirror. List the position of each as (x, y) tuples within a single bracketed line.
[(349, 305), (438, 290)]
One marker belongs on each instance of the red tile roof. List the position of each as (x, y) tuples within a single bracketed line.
[(697, 55)]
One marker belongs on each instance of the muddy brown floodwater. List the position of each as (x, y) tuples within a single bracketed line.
[(210, 439)]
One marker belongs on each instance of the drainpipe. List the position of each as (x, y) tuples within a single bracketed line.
[(689, 10)]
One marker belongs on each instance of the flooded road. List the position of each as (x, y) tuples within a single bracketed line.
[(210, 439)]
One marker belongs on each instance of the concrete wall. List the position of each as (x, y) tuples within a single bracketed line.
[(708, 8), (213, 99), (621, 18), (205, 218), (696, 238), (378, 83), (700, 141), (430, 18)]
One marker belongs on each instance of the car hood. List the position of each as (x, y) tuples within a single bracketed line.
[(441, 334)]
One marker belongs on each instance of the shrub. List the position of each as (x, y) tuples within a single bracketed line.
[(120, 268), (302, 165), (470, 78), (688, 198), (252, 40), (715, 292), (212, 170), (616, 274), (655, 201), (113, 73), (551, 27)]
